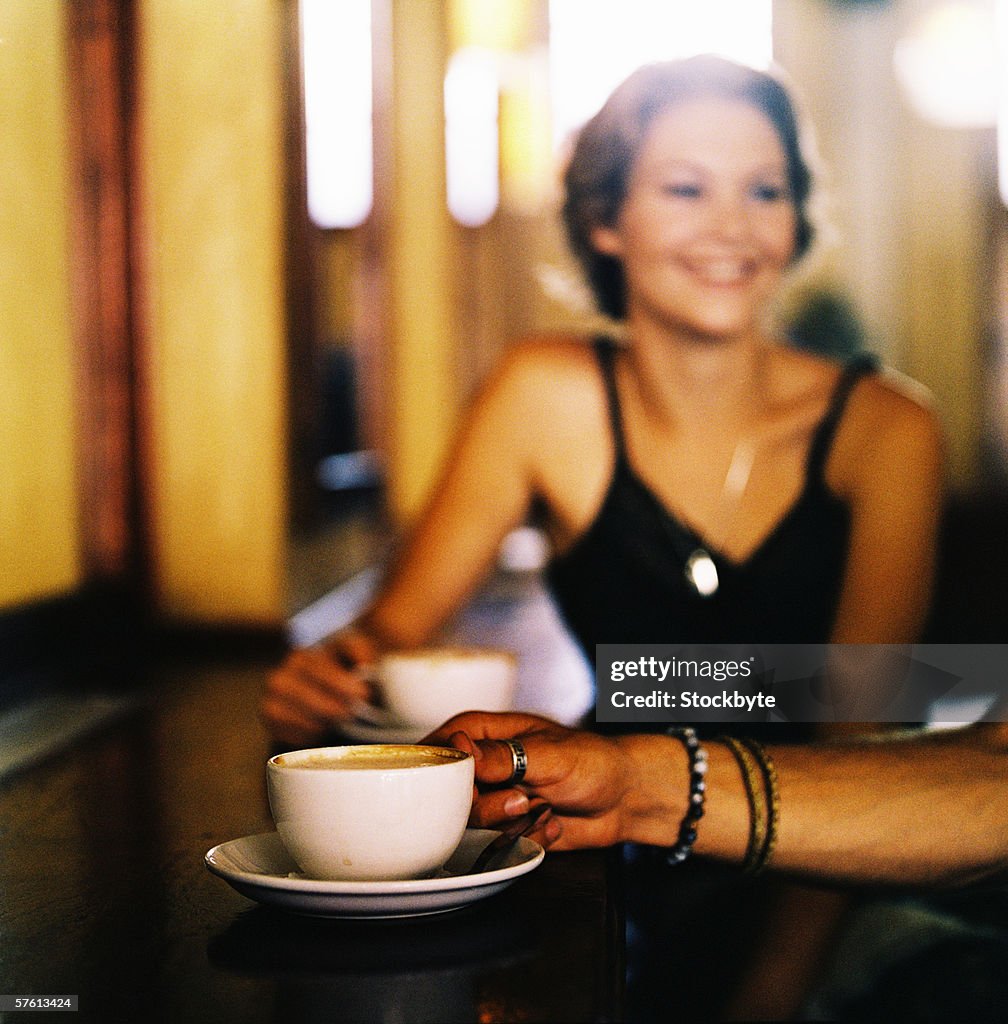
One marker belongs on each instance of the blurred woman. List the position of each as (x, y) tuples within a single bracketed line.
[(701, 479)]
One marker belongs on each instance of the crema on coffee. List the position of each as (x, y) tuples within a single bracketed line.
[(376, 758)]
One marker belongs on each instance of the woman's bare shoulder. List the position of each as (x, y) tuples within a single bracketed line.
[(554, 355), (558, 410), (881, 401), (552, 368), (889, 421), (890, 426), (894, 406)]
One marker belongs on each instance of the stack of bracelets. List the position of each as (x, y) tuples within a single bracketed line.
[(762, 792)]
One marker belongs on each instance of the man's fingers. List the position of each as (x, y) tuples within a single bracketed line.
[(493, 768), (483, 725), (511, 811), (460, 741), (499, 808), (577, 833), (495, 763)]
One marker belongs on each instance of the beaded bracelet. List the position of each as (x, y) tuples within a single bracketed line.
[(697, 790), (757, 805), (769, 770)]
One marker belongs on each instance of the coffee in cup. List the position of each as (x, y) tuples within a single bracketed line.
[(375, 812), (425, 687)]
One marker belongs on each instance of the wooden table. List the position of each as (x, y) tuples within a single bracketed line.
[(104, 895)]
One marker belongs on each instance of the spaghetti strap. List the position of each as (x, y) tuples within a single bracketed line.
[(822, 440), (605, 353)]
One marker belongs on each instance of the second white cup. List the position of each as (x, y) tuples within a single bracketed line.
[(424, 688)]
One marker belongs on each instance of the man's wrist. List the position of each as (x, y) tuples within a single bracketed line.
[(658, 789)]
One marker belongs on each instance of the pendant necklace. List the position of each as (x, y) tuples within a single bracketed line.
[(700, 571)]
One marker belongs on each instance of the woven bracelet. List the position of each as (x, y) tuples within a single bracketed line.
[(770, 780), (754, 788), (697, 791)]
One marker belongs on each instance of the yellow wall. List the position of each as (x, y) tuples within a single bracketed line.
[(39, 550), (211, 88), (424, 388)]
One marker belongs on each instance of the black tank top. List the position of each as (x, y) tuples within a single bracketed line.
[(624, 579)]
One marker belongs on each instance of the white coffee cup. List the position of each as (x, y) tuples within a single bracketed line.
[(375, 811), (424, 688)]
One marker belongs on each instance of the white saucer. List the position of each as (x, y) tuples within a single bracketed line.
[(376, 732), (260, 868)]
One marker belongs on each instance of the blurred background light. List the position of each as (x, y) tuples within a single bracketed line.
[(471, 99), (595, 44), (336, 54), (500, 25), (528, 163), (1002, 123), (510, 102), (947, 65)]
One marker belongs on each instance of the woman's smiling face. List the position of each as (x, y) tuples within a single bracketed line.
[(708, 224)]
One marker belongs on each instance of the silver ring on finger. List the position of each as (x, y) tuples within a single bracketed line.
[(519, 761)]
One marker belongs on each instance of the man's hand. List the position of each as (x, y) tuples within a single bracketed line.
[(586, 778)]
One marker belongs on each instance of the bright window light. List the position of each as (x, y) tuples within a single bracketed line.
[(471, 100), (948, 65), (336, 44), (595, 44), (1002, 114)]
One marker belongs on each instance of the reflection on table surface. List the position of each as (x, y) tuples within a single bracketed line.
[(103, 894), (500, 960)]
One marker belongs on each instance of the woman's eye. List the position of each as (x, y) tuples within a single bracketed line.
[(682, 189), (770, 193)]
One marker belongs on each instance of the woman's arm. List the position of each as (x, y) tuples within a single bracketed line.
[(888, 463), (901, 809), (485, 490)]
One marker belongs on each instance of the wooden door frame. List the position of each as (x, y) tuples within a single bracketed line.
[(105, 294), (301, 245)]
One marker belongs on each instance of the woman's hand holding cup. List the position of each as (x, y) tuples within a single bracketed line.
[(315, 687)]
